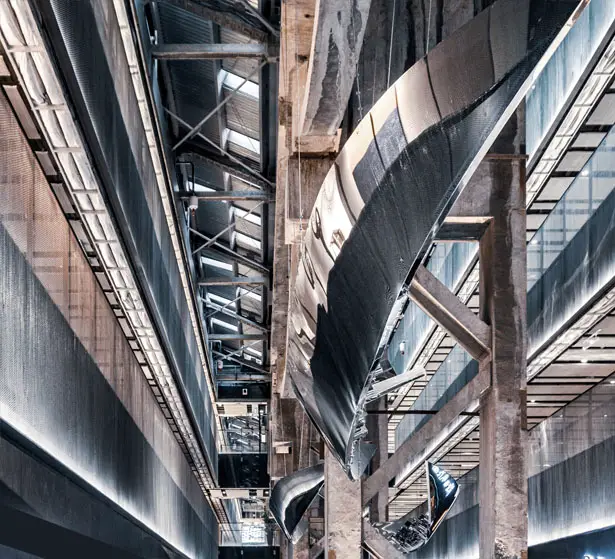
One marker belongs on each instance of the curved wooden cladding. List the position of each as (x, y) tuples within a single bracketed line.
[(387, 194)]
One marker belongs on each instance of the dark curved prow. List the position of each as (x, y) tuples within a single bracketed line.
[(293, 495), (386, 196), (411, 533), (443, 491)]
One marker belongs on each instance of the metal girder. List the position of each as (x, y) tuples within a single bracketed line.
[(225, 311), (195, 129), (249, 172), (240, 361), (210, 10), (448, 311), (210, 51), (227, 228), (222, 250), (226, 165), (228, 196), (419, 441), (237, 336), (233, 280)]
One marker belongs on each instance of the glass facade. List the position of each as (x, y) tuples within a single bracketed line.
[(584, 196), (566, 67)]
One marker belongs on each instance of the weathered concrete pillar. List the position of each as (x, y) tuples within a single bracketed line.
[(343, 521), (503, 435), (377, 425)]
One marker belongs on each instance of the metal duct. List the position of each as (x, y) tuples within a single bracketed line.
[(389, 190)]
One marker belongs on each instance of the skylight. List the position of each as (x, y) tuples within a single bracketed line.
[(224, 324), (243, 214), (213, 298), (247, 241), (251, 294), (217, 264), (241, 140), (233, 81)]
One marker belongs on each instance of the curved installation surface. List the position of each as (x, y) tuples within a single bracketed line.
[(411, 533), (292, 496), (387, 194)]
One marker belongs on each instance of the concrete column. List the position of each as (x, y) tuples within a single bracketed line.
[(377, 425), (343, 521), (503, 435)]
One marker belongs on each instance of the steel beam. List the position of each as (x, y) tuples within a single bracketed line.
[(225, 165), (448, 311), (233, 280), (251, 172), (227, 196), (229, 227), (465, 399), (240, 361), (211, 11), (228, 252), (236, 336), (225, 311), (210, 51), (222, 250), (195, 129)]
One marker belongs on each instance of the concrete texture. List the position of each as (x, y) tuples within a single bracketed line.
[(503, 440), (336, 44), (377, 425), (343, 522)]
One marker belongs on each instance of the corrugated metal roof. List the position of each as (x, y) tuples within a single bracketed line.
[(243, 67), (243, 114), (193, 82)]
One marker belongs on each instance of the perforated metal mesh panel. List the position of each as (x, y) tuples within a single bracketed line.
[(84, 36), (69, 381)]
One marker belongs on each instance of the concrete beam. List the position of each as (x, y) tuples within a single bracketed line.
[(378, 432), (425, 436), (233, 280), (209, 10), (236, 336), (228, 196), (343, 522), (208, 51), (448, 311), (336, 45)]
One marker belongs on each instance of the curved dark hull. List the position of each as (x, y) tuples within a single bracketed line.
[(387, 194), (293, 495)]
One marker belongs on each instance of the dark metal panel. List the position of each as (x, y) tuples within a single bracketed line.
[(243, 470), (389, 199), (69, 381), (128, 177)]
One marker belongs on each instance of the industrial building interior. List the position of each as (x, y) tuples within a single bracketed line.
[(307, 279)]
